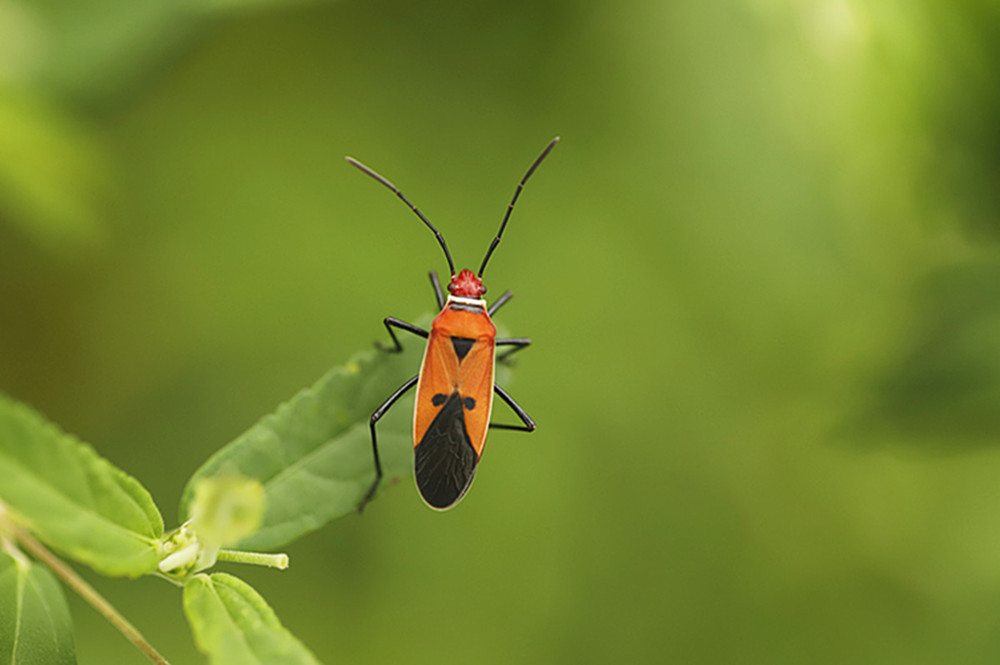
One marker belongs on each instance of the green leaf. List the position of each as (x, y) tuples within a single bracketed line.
[(233, 625), (73, 499), (313, 455), (35, 627)]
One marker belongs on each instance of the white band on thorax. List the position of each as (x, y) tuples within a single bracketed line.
[(471, 302)]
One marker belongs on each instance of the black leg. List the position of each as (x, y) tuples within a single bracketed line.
[(379, 412), (438, 293), (392, 322), (517, 342), (501, 301), (529, 424)]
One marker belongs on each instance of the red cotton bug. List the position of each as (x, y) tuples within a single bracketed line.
[(455, 386)]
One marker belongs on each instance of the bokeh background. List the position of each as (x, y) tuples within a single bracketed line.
[(761, 272)]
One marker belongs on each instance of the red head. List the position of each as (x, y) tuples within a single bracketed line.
[(466, 285)]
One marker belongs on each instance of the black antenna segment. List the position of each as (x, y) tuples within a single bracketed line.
[(437, 234), (517, 192)]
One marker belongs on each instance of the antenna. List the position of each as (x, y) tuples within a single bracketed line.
[(517, 192), (437, 234)]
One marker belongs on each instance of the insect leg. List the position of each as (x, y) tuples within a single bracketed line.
[(438, 293), (500, 302), (391, 322), (379, 412), (529, 424), (517, 342)]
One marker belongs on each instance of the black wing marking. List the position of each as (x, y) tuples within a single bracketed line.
[(445, 459)]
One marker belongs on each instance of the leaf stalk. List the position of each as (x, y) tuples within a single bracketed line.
[(89, 594), (279, 561)]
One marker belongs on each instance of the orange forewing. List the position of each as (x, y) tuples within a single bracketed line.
[(442, 373)]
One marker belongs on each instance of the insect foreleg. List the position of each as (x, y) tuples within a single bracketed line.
[(500, 302), (438, 293)]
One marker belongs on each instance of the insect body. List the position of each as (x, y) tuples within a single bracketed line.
[(455, 386)]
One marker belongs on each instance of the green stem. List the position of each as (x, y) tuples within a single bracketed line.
[(89, 594), (279, 561)]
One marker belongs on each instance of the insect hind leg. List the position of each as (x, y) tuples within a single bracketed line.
[(379, 412), (529, 424)]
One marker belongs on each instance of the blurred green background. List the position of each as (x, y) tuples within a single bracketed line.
[(761, 272)]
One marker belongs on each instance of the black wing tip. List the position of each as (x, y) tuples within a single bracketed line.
[(441, 498), (445, 461)]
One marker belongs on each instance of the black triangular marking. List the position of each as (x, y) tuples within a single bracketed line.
[(462, 346)]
